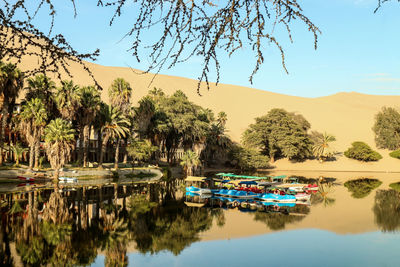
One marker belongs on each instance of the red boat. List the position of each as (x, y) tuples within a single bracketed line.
[(28, 179)]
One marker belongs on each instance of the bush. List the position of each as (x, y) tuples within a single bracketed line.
[(249, 159), (362, 151), (395, 154), (395, 186)]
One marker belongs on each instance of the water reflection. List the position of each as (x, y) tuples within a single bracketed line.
[(387, 210), (70, 225), (323, 195), (361, 188)]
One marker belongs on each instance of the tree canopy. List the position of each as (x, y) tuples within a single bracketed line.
[(280, 133), (387, 128)]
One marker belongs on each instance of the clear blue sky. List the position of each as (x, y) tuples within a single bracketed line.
[(357, 51)]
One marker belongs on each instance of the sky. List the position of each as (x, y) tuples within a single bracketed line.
[(358, 50)]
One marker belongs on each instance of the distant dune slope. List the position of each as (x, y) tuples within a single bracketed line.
[(348, 116)]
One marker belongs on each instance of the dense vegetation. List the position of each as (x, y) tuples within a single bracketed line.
[(280, 134), (64, 117), (387, 128), (363, 152)]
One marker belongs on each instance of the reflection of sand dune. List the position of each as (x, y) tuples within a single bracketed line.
[(348, 116)]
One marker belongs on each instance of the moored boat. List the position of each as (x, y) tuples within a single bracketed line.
[(68, 179)]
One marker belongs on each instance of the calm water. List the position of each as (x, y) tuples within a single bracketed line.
[(113, 224)]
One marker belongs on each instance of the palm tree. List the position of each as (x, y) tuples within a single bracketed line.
[(189, 160), (59, 138), (32, 121), (42, 87), (11, 82), (89, 106), (222, 118), (321, 148), (120, 93), (115, 126), (18, 151), (67, 98)]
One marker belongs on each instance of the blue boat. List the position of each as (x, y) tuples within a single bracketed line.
[(279, 204), (197, 190), (269, 197)]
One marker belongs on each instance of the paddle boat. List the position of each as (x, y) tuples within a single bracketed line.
[(67, 179), (273, 197), (200, 185), (302, 196)]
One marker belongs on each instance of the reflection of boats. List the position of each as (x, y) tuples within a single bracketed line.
[(277, 197), (28, 179), (237, 194), (279, 204), (200, 183), (68, 179)]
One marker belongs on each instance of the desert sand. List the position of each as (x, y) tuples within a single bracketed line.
[(348, 116)]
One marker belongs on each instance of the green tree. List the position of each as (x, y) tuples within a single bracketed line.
[(67, 97), (33, 119), (89, 106), (279, 133), (189, 160), (120, 93), (222, 119), (141, 150), (321, 148), (59, 141), (363, 152), (115, 125), (11, 82), (248, 158), (387, 128), (18, 152)]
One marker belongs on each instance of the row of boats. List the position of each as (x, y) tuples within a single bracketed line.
[(277, 189)]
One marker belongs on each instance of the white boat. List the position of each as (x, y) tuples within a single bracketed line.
[(68, 179), (199, 186), (302, 197)]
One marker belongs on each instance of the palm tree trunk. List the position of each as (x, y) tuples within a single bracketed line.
[(125, 152), (103, 150), (99, 141), (116, 159), (80, 154), (4, 113), (37, 153), (31, 155), (86, 133)]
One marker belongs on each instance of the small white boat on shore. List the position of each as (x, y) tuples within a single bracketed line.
[(67, 179)]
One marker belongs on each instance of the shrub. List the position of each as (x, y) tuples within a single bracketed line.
[(395, 154), (362, 151)]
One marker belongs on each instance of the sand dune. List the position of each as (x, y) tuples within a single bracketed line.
[(348, 116)]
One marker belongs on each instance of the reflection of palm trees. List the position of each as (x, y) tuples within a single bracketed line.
[(115, 239), (387, 210), (323, 195)]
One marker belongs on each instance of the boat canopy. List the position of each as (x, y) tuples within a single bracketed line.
[(195, 179), (248, 182), (235, 176), (278, 177)]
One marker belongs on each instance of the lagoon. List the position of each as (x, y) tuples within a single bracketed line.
[(139, 224)]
